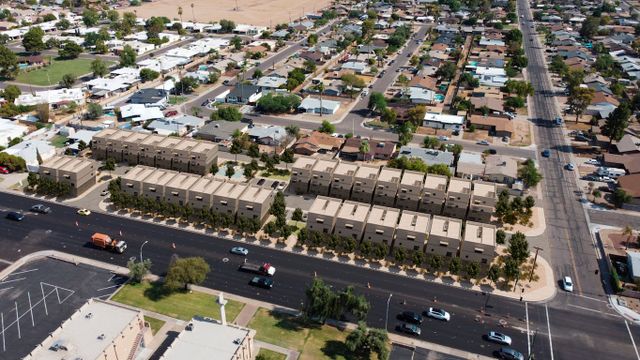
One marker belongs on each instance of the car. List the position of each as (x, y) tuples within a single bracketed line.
[(261, 281), (509, 354), (606, 179), (505, 139), (261, 181), (226, 82), (4, 170), (499, 338), (104, 192), (443, 138), (409, 329), (84, 212), (455, 132), (281, 186), (590, 178), (410, 317), (492, 151), (567, 284), (570, 166), (15, 216), (39, 208), (546, 153), (171, 113), (592, 162), (483, 142), (274, 185), (437, 313), (239, 250)]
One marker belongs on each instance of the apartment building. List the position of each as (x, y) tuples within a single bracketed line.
[(255, 202), (322, 214), (483, 201), (458, 197), (131, 182), (177, 189), (479, 243), (410, 190), (79, 173), (149, 151), (387, 186), (434, 194), (154, 185), (412, 231), (351, 219), (201, 192), (321, 176), (132, 148), (225, 199), (445, 236), (364, 183), (342, 183), (381, 224), (301, 174), (194, 156), (166, 153)]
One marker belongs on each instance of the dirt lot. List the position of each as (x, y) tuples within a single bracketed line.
[(254, 12), (521, 134), (477, 135)]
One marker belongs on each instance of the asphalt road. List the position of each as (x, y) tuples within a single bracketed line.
[(575, 331), (614, 218)]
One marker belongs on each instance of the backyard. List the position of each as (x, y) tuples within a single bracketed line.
[(53, 73)]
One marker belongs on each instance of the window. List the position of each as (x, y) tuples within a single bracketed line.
[(199, 198), (416, 248), (152, 189), (444, 244), (483, 261), (448, 254), (319, 221), (478, 251), (249, 207), (348, 226), (411, 237), (174, 193), (67, 176), (223, 202), (129, 185), (379, 232)]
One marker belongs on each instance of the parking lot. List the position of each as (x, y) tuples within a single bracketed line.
[(38, 297), (401, 352)]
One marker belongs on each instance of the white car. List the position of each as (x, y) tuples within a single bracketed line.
[(483, 142), (499, 338), (437, 313), (443, 138), (592, 162), (567, 284), (84, 212), (571, 167), (239, 251)]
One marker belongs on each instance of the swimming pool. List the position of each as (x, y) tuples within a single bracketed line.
[(439, 98), (443, 87), (222, 172), (23, 66), (203, 67)]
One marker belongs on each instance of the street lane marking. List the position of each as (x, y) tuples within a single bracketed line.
[(589, 297), (632, 341), (593, 310), (20, 273), (546, 309), (526, 312), (108, 287)]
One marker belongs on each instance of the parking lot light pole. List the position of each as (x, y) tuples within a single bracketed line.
[(386, 318), (141, 246)]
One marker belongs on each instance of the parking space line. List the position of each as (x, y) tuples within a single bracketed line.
[(108, 287), (9, 288), (33, 323), (18, 321), (21, 272), (593, 310), (526, 312), (14, 280), (546, 309), (4, 346), (633, 342), (44, 301)]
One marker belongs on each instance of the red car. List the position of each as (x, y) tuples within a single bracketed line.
[(4, 170), (171, 113)]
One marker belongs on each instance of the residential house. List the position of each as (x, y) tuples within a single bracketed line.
[(497, 126), (470, 165), (10, 130), (244, 94), (458, 197), (153, 186), (78, 173), (322, 214), (484, 197), (271, 135), (317, 142), (443, 121), (428, 156), (316, 106), (322, 176), (33, 152), (177, 189), (479, 243), (381, 225), (381, 150), (434, 194), (421, 96), (445, 236), (387, 186), (255, 202), (629, 144), (410, 190), (221, 130), (501, 169), (343, 180), (301, 174), (364, 183), (412, 231), (131, 182), (150, 97), (351, 219), (55, 98)]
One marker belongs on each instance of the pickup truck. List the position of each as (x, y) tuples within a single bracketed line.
[(264, 269)]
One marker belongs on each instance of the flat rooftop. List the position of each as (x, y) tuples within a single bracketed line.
[(446, 227), (390, 175), (484, 189), (183, 181), (153, 139), (345, 169), (138, 173), (460, 186), (383, 216), (160, 177), (414, 222), (367, 172), (204, 147), (76, 165), (56, 162), (436, 182), (256, 194), (326, 166), (231, 190), (479, 233), (412, 178), (324, 205), (353, 210), (304, 162), (106, 133), (90, 330), (121, 135), (206, 185), (207, 339)]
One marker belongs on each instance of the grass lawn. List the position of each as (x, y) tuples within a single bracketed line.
[(271, 355), (298, 224), (155, 324), (58, 141), (179, 305), (175, 100), (269, 175), (312, 341), (56, 70)]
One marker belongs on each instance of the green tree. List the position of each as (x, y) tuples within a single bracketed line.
[(377, 102), (70, 50), (90, 17), (138, 270), (185, 271), (431, 142), (94, 110), (501, 237), (228, 113), (11, 93), (447, 71), (365, 342), (435, 263), (236, 42), (186, 85), (417, 258), (399, 255), (63, 24), (293, 130), (8, 63), (518, 247), (32, 40), (327, 127), (472, 269), (67, 81), (227, 26), (620, 197), (454, 266), (590, 27), (230, 171), (579, 99), (511, 269), (297, 215), (617, 122), (494, 273), (529, 173), (128, 57), (147, 74), (99, 68)]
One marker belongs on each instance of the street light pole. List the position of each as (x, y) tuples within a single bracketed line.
[(141, 246), (535, 259), (386, 319)]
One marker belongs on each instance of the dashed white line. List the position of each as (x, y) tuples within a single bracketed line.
[(633, 342), (546, 309), (526, 312)]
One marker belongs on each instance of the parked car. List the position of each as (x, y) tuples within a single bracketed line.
[(410, 317), (39, 208), (104, 192), (592, 162), (570, 166), (443, 138), (606, 179), (483, 142), (499, 338), (437, 313), (171, 113), (546, 153), (84, 212), (410, 329), (226, 82), (509, 354), (4, 170), (15, 216), (567, 284), (281, 186), (239, 250), (261, 281), (590, 178), (261, 181)]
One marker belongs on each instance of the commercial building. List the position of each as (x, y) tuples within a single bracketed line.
[(255, 202), (434, 194), (483, 201), (412, 231), (364, 183), (96, 331), (225, 199), (343, 178), (321, 176), (351, 219), (410, 190), (458, 197), (479, 243), (201, 192), (301, 174), (387, 186), (322, 214), (381, 224), (445, 236), (79, 173)]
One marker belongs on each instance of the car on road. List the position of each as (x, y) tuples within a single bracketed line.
[(592, 162), (15, 216), (84, 212), (570, 166), (410, 329), (567, 284), (437, 313), (261, 281), (509, 354), (39, 208), (499, 338), (546, 153), (4, 170), (492, 151), (239, 250), (104, 192), (226, 82), (410, 317), (443, 138), (483, 142)]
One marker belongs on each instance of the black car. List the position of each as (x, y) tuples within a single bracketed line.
[(16, 216), (261, 281), (409, 329), (274, 185), (509, 353), (410, 317), (492, 151), (39, 208), (261, 181)]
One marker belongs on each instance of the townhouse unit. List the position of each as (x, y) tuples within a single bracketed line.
[(458, 197), (79, 173), (364, 183), (343, 178), (225, 199), (321, 217), (412, 231), (255, 202), (381, 224), (154, 185), (434, 194), (321, 176), (131, 182), (351, 219), (301, 174), (479, 242), (445, 236), (410, 190), (483, 201), (188, 155), (178, 188), (201, 192), (387, 186)]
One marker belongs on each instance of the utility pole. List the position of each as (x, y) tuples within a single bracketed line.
[(535, 259)]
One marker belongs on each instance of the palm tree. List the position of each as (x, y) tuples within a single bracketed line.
[(628, 233), (319, 87), (193, 13), (364, 148), (180, 12)]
